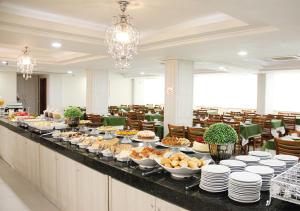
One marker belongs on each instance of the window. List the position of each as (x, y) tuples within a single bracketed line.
[(225, 90), (282, 90)]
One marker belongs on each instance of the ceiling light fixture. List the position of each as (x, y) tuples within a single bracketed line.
[(26, 63), (56, 45), (122, 38), (142, 73), (222, 68), (5, 62), (243, 53), (69, 72)]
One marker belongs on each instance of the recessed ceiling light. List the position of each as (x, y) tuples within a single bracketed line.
[(222, 68), (4, 62), (56, 45), (142, 73), (243, 53), (69, 72)]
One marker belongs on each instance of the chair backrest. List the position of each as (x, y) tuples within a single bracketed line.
[(295, 114), (213, 121), (176, 131), (140, 116), (148, 126), (196, 121), (235, 113), (227, 118), (134, 124), (287, 147), (259, 121), (193, 133), (282, 113), (289, 122), (235, 126), (215, 117), (132, 115)]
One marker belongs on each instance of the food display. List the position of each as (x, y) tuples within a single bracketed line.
[(200, 145), (126, 132), (84, 122), (175, 142), (46, 125), (181, 165), (122, 152), (107, 128), (108, 144), (88, 141), (146, 134), (181, 160)]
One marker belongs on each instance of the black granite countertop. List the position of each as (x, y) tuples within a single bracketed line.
[(160, 185)]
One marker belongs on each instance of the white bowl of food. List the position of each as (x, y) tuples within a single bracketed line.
[(181, 165)]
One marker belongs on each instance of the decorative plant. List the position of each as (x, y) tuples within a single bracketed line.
[(220, 133), (72, 112)]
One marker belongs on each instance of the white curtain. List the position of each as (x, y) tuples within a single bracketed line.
[(282, 91), (225, 90)]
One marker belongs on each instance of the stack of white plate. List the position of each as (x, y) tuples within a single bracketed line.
[(261, 154), (214, 178), (290, 160), (244, 187), (248, 159), (266, 174), (234, 165), (278, 165)]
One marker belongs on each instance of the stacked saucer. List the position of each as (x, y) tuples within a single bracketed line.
[(290, 160), (234, 165), (278, 165), (244, 187), (248, 159), (261, 154), (266, 174), (214, 178)]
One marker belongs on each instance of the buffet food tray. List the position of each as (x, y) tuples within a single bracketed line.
[(286, 186)]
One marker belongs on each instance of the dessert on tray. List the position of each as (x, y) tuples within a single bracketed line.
[(146, 134), (175, 142)]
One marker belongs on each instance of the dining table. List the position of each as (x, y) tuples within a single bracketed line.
[(248, 131), (152, 117)]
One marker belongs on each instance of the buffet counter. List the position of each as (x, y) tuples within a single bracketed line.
[(74, 179)]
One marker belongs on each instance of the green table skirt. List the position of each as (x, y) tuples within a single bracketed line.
[(270, 144), (276, 123), (248, 131), (298, 121), (114, 121), (151, 117)]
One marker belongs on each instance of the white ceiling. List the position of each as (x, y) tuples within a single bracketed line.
[(209, 32)]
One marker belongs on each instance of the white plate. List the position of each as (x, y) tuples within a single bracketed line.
[(246, 177), (216, 169), (233, 163), (286, 158), (243, 201), (260, 153), (247, 158), (107, 153), (135, 138), (92, 150), (261, 170), (145, 163), (273, 163)]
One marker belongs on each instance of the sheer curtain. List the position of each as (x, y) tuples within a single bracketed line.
[(149, 90), (225, 90), (282, 91)]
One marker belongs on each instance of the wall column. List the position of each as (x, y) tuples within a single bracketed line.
[(178, 93), (97, 85), (261, 93)]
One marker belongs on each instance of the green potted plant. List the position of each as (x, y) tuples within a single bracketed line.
[(221, 139), (72, 115)]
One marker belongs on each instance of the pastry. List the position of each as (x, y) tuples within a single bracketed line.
[(146, 134), (181, 160), (176, 142)]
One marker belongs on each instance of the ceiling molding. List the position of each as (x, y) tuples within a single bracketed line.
[(238, 31), (51, 17)]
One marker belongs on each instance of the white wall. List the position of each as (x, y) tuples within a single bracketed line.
[(120, 90), (148, 90), (65, 90), (8, 86)]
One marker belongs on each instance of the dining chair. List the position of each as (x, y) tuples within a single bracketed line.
[(227, 118), (132, 115), (287, 147), (95, 119), (295, 114), (148, 126), (214, 117), (193, 133), (134, 124), (140, 116), (238, 148), (289, 123), (213, 121), (196, 121), (176, 131), (267, 130), (202, 114), (282, 113)]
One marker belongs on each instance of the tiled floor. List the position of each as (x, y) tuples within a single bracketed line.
[(17, 194)]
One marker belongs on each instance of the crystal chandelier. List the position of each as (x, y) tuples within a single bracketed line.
[(26, 63), (122, 38)]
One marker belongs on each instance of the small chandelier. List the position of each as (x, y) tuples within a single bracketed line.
[(26, 63), (122, 38)]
